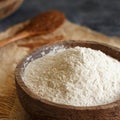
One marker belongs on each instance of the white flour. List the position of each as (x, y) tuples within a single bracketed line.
[(75, 76)]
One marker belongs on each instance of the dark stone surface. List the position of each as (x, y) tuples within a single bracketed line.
[(99, 15)]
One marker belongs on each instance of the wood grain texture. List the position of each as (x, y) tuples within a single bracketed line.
[(38, 107), (11, 55)]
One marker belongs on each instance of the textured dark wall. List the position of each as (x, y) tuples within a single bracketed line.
[(100, 15)]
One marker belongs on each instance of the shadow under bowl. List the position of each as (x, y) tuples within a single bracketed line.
[(42, 109)]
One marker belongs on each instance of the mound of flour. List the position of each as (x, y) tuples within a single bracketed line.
[(75, 76)]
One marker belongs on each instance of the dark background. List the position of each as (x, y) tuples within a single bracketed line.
[(99, 15)]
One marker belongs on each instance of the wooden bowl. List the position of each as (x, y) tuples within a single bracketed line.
[(7, 7), (42, 109)]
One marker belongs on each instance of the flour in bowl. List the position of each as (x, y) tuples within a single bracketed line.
[(76, 76)]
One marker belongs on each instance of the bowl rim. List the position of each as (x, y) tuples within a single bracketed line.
[(19, 79), (7, 3)]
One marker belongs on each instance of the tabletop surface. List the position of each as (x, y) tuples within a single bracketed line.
[(100, 15)]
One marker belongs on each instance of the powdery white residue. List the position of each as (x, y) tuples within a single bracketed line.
[(75, 76)]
